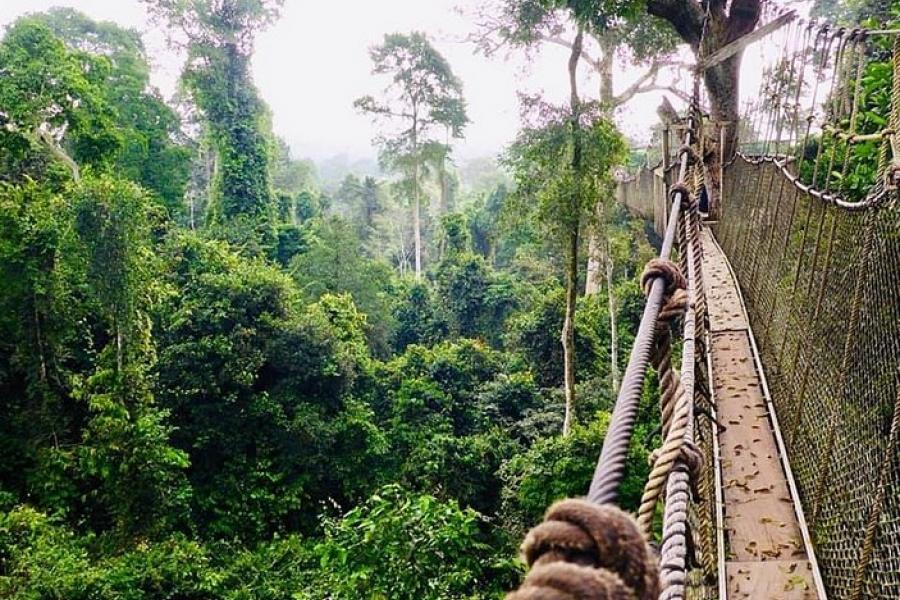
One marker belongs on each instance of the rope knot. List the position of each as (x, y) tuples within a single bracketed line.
[(583, 551), (693, 157), (692, 458), (670, 273), (681, 188)]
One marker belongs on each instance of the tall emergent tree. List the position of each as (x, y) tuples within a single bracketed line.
[(219, 39), (423, 98), (562, 163)]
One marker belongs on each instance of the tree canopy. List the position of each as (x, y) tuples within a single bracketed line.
[(219, 377)]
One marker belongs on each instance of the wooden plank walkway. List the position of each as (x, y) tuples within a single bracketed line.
[(765, 556)]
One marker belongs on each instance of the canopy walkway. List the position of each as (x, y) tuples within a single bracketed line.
[(779, 473)]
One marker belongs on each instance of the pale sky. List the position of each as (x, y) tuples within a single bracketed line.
[(312, 64)]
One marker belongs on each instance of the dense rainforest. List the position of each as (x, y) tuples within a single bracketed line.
[(223, 378), (225, 375)]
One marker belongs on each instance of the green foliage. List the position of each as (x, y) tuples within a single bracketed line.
[(335, 263), (621, 28), (152, 151), (552, 469), (535, 334), (68, 106), (419, 318), (183, 414), (874, 97), (558, 194), (238, 353), (407, 546)]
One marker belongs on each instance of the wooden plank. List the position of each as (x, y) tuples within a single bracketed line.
[(730, 49), (725, 310), (773, 580), (766, 554)]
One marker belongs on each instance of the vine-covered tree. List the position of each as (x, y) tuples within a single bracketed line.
[(219, 36), (422, 98)]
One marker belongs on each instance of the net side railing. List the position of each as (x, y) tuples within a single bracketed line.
[(811, 224)]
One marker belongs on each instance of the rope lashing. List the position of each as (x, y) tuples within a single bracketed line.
[(668, 271), (693, 156), (674, 403), (585, 551), (680, 188)]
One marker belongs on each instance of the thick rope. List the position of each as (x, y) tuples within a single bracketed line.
[(582, 551), (673, 401)]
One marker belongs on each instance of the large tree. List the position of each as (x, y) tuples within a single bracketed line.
[(562, 163), (153, 151), (422, 98), (219, 36), (608, 31), (708, 27), (64, 118), (611, 31)]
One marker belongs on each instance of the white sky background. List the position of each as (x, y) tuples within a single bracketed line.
[(312, 64)]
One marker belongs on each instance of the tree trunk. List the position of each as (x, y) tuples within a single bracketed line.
[(607, 101), (39, 338), (417, 231), (605, 71), (120, 346), (568, 330), (417, 223), (592, 278), (706, 36), (567, 336), (613, 324)]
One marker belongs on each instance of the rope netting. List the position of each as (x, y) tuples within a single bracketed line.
[(810, 220)]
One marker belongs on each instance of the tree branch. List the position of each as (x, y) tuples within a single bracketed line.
[(585, 55), (647, 82), (686, 16), (636, 87), (58, 152)]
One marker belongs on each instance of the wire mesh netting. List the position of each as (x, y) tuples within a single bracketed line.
[(810, 220), (821, 286)]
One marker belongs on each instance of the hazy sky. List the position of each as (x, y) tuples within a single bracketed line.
[(314, 62)]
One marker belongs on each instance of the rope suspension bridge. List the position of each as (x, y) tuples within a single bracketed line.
[(774, 326)]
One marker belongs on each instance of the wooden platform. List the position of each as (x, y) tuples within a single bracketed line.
[(764, 550)]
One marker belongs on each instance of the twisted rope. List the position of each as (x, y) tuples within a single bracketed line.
[(582, 551), (673, 401)]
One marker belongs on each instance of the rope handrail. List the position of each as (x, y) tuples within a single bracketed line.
[(611, 463), (875, 197)]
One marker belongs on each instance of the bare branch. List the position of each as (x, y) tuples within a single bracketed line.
[(585, 55), (648, 82), (636, 87)]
